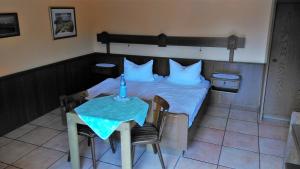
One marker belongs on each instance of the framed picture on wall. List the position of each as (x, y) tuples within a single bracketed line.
[(63, 22), (9, 25)]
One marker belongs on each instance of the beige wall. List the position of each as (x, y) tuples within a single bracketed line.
[(248, 18), (36, 47)]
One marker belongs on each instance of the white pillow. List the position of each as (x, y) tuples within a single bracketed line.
[(186, 75), (134, 72)]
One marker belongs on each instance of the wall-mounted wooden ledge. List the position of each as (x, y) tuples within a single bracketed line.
[(163, 40), (231, 43)]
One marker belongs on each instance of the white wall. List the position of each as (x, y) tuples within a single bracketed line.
[(203, 18)]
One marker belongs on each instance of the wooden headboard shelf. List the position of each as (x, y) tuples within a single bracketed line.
[(231, 43)]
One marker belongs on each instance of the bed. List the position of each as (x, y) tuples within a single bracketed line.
[(186, 104)]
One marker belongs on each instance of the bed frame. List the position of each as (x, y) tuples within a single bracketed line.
[(176, 132)]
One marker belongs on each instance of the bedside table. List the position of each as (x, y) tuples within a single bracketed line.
[(105, 70), (225, 82)]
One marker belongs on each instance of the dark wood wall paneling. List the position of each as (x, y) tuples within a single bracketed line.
[(27, 95)]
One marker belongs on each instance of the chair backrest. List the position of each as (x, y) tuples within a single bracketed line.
[(159, 114), (68, 103)]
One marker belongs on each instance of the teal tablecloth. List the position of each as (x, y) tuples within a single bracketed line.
[(104, 114)]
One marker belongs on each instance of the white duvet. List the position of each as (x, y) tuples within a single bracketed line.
[(182, 98)]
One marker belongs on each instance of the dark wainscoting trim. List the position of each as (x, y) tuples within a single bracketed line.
[(27, 95), (42, 67)]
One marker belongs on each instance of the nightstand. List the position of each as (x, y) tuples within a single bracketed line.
[(225, 82), (224, 88), (105, 70)]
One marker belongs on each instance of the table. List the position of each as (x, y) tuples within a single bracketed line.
[(124, 128), (104, 115), (292, 156)]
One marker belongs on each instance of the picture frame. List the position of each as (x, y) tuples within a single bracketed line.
[(9, 25), (63, 22)]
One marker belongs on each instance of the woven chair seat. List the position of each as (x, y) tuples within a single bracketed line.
[(147, 133)]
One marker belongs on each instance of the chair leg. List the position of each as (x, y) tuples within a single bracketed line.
[(154, 149), (93, 152), (160, 156), (89, 141), (132, 153), (69, 156), (112, 146)]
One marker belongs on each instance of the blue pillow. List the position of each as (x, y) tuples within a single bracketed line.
[(134, 72), (186, 75)]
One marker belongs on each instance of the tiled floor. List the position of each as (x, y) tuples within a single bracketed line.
[(225, 139)]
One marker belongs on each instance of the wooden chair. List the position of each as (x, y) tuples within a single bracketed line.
[(67, 104), (151, 133)]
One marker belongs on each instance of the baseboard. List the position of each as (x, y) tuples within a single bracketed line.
[(237, 107), (245, 107), (277, 117)]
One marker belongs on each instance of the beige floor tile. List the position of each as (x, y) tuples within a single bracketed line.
[(40, 158), (241, 159), (204, 152), (2, 165), (12, 167), (4, 141), (56, 123), (115, 158), (51, 120), (213, 122), (270, 162), (56, 112), (274, 132), (60, 142), (241, 141), (209, 135), (14, 150), (242, 127), (102, 165), (20, 131), (150, 160), (43, 119), (185, 163), (39, 136), (218, 112), (85, 163), (100, 148), (243, 115), (219, 105), (272, 146), (222, 167)]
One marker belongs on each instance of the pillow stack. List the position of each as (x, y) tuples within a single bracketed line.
[(185, 75)]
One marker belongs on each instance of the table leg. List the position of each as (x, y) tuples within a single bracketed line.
[(126, 146), (73, 142)]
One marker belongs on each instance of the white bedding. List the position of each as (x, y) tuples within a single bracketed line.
[(182, 98)]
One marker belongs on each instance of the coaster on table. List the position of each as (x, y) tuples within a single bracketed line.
[(121, 99)]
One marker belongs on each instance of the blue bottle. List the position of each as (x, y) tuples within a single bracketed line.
[(123, 91)]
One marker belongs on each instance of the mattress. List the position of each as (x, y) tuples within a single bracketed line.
[(181, 98)]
